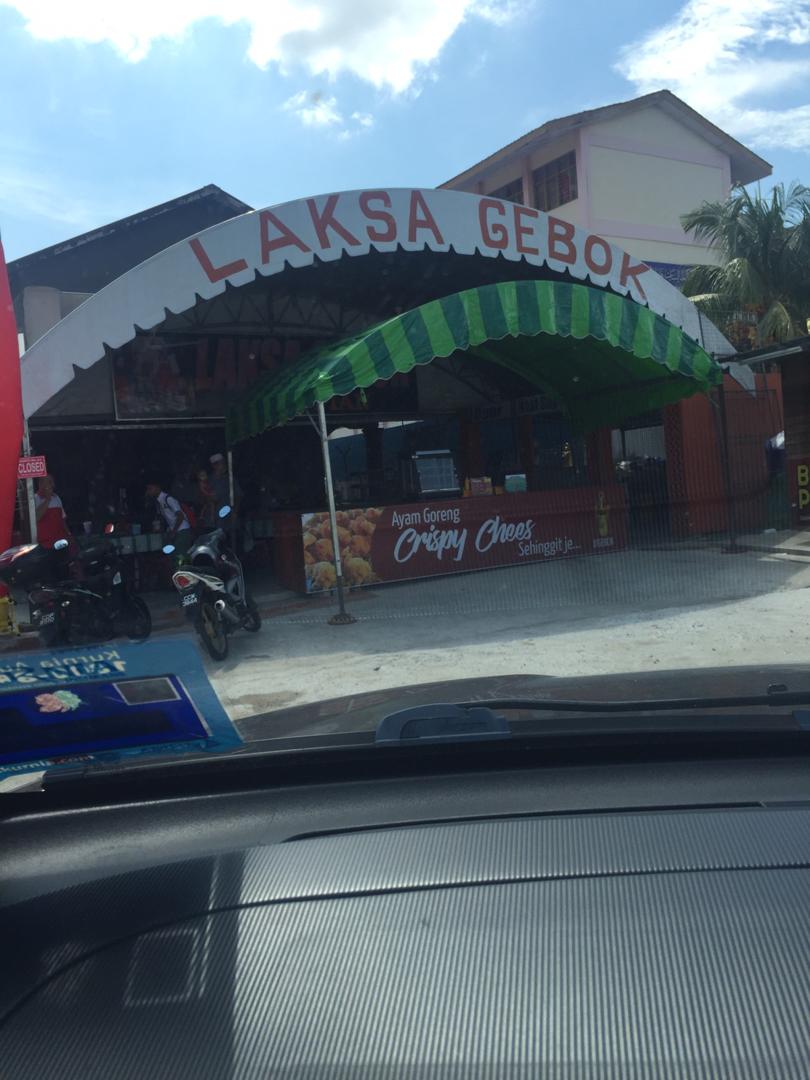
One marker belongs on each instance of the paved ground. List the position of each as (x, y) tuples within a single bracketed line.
[(669, 607), (787, 541), (672, 606)]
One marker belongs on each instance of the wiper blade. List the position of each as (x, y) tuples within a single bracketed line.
[(772, 699), (477, 721)]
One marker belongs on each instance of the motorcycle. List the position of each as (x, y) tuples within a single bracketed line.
[(212, 591), (79, 601)]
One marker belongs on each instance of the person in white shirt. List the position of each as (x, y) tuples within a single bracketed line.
[(221, 485), (51, 522), (178, 528)]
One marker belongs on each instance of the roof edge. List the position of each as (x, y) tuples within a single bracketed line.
[(562, 125), (131, 219)]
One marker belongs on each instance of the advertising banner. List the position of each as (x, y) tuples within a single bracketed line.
[(799, 488), (395, 543)]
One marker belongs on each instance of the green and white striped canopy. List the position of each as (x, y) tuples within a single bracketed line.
[(602, 356)]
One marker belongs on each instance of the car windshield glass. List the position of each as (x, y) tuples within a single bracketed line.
[(353, 362)]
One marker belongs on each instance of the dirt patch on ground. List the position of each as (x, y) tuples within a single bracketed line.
[(243, 705)]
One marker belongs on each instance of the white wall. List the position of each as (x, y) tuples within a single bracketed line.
[(44, 307), (645, 169), (662, 251), (639, 189), (657, 130)]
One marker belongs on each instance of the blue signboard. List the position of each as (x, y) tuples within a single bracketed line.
[(675, 273), (108, 703)]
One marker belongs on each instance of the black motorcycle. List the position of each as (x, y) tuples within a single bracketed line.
[(79, 601), (212, 590)]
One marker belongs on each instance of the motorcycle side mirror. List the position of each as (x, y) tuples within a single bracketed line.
[(60, 545), (224, 511), (168, 549)]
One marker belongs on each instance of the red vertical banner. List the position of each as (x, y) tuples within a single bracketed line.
[(11, 416)]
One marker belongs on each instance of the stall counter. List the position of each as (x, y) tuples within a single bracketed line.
[(418, 540)]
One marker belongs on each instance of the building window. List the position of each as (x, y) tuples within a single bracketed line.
[(555, 182), (511, 192)]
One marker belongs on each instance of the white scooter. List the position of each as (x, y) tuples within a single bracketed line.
[(212, 590)]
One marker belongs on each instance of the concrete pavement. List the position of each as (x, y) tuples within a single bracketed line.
[(782, 541), (665, 607), (629, 611)]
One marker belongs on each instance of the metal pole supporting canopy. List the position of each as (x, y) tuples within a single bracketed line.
[(343, 618), (29, 488)]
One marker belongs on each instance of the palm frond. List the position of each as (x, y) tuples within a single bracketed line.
[(764, 245), (776, 324), (798, 244), (709, 223), (704, 279), (796, 203), (744, 282)]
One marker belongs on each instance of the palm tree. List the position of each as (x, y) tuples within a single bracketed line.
[(764, 244)]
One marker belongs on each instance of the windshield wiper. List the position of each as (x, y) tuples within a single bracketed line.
[(771, 699), (477, 721)]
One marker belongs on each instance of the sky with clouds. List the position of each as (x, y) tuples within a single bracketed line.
[(111, 107)]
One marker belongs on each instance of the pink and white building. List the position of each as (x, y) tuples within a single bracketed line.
[(626, 171)]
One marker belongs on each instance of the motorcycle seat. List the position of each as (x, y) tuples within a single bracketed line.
[(96, 551)]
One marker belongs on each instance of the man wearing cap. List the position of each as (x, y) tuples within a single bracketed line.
[(220, 484)]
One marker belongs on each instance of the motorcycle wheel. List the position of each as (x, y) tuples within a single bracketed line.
[(136, 619), (50, 636), (211, 631), (253, 620)]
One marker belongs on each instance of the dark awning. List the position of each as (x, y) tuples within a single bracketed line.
[(602, 356)]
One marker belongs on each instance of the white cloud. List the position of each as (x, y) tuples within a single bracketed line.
[(383, 42), (313, 109), (727, 58), (357, 124), (500, 12)]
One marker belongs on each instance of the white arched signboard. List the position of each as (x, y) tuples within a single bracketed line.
[(328, 226)]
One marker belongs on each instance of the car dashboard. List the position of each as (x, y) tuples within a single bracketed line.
[(602, 920)]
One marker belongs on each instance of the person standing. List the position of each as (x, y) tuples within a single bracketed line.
[(205, 500), (178, 528), (220, 484), (51, 522)]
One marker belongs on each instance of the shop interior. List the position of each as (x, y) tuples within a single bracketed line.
[(101, 474)]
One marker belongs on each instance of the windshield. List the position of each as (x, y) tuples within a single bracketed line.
[(370, 357)]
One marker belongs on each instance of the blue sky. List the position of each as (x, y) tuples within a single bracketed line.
[(108, 108)]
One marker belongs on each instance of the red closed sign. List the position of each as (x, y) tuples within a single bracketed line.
[(30, 467)]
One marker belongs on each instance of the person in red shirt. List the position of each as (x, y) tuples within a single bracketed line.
[(51, 523)]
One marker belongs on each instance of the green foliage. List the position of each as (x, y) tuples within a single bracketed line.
[(764, 247)]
